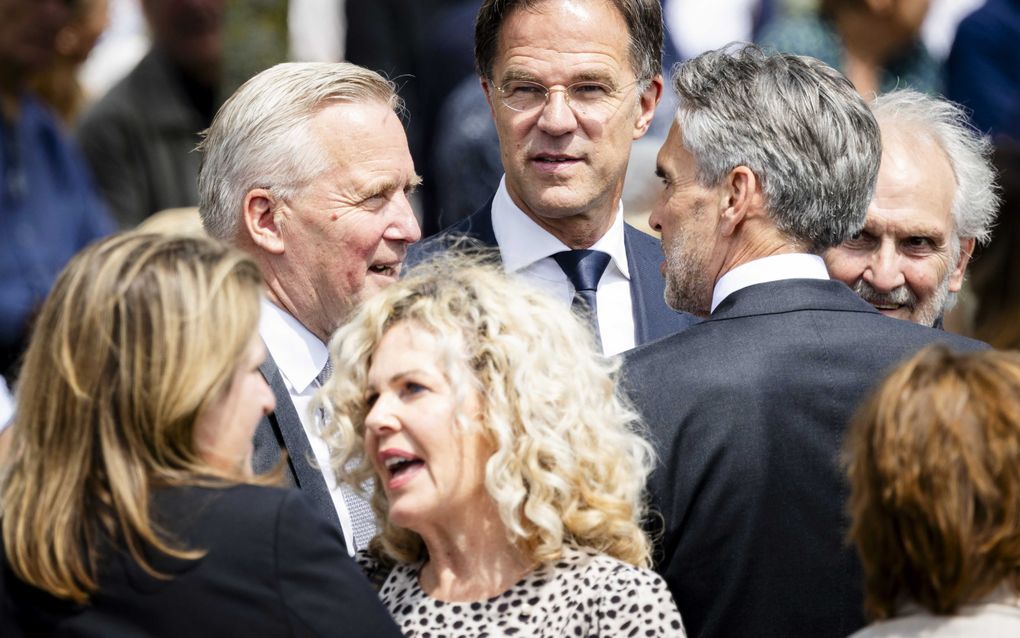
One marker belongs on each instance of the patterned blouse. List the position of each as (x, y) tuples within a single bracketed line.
[(584, 594)]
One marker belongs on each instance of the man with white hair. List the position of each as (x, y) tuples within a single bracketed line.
[(935, 199), (307, 168)]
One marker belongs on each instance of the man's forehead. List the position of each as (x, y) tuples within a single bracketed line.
[(542, 30), (916, 184)]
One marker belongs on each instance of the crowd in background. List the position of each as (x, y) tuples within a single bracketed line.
[(133, 114)]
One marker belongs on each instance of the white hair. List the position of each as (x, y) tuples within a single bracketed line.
[(261, 138), (976, 197)]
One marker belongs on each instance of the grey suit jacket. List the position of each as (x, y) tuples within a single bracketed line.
[(281, 431), (747, 411)]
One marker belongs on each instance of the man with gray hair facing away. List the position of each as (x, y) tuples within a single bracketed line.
[(306, 168), (935, 199), (771, 160)]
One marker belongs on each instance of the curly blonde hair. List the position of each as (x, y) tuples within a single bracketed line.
[(569, 464)]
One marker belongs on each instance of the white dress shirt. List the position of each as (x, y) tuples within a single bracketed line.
[(766, 269), (527, 249), (300, 356)]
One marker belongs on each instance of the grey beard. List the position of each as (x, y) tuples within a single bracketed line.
[(923, 313)]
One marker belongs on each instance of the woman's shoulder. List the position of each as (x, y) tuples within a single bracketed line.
[(622, 594), (207, 512), (239, 500), (592, 564)]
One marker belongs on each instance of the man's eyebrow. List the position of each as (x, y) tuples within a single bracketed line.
[(517, 75), (593, 76)]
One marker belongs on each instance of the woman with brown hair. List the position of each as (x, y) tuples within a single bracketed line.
[(934, 466), (129, 506)]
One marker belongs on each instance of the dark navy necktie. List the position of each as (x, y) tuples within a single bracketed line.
[(584, 269)]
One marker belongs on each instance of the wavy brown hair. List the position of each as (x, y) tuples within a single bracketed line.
[(934, 466), (138, 336)]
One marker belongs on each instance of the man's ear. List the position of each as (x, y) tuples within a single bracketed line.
[(261, 222), (488, 89), (960, 268), (741, 197), (647, 102)]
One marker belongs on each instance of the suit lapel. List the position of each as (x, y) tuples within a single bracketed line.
[(282, 431), (478, 226)]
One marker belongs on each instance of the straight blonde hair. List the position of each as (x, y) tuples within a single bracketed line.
[(139, 335)]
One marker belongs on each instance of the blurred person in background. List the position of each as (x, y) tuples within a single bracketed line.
[(58, 84), (934, 464), (875, 43), (508, 469), (140, 137), (128, 505), (50, 209), (935, 201), (983, 69)]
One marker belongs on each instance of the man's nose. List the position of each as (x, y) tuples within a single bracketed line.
[(557, 117), (404, 226), (883, 270)]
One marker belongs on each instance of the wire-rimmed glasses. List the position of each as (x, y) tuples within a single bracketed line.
[(586, 98)]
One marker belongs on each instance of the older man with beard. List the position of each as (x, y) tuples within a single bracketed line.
[(771, 160), (935, 199)]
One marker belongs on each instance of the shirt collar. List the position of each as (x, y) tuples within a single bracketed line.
[(766, 269), (522, 242), (298, 353)]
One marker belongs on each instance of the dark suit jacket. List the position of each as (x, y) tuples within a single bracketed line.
[(652, 317), (281, 431), (272, 568), (747, 411)]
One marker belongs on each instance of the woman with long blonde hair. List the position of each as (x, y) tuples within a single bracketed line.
[(128, 503), (508, 468)]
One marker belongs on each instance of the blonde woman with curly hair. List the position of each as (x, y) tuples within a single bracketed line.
[(934, 465), (129, 507), (508, 471)]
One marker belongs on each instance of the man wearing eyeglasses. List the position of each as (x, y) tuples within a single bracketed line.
[(571, 84)]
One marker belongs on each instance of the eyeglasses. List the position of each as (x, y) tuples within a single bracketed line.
[(586, 98)]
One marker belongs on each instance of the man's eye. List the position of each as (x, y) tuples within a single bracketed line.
[(919, 243), (523, 89), (859, 240), (374, 200), (589, 91)]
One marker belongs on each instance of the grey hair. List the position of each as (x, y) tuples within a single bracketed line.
[(976, 197), (794, 121), (643, 19), (261, 138)]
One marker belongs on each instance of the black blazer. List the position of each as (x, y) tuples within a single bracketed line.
[(652, 317), (272, 568), (281, 431), (747, 411)]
